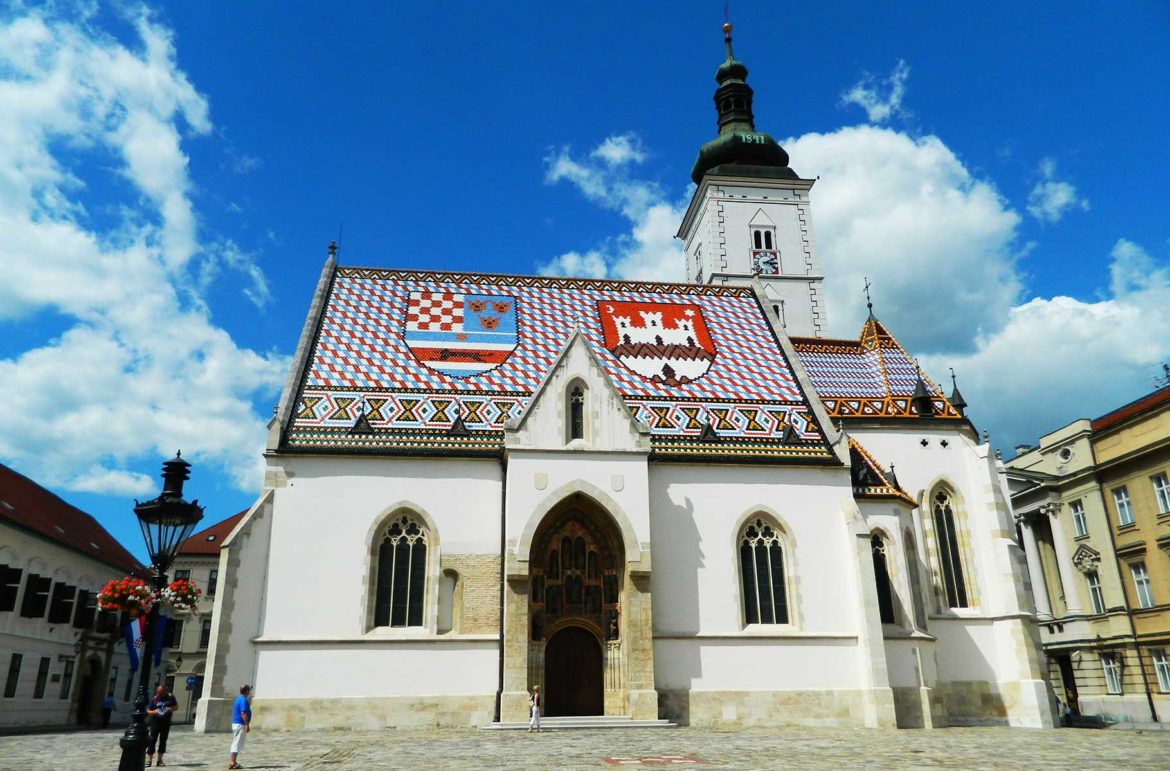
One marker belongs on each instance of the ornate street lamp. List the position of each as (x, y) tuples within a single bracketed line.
[(166, 522)]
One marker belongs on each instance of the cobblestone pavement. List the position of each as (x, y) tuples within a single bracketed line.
[(792, 748)]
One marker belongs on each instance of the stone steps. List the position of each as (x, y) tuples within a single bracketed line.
[(583, 722)]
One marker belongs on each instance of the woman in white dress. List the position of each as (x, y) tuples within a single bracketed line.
[(534, 704)]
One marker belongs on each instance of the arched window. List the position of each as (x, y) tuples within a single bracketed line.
[(402, 574), (576, 413), (761, 564), (949, 559), (881, 573)]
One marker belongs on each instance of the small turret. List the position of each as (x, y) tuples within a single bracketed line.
[(957, 400)]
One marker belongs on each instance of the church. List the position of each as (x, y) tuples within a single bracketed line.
[(673, 501)]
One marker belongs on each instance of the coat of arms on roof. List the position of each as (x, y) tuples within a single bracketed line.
[(666, 343), (460, 334)]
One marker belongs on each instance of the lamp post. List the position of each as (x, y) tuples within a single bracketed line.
[(166, 522)]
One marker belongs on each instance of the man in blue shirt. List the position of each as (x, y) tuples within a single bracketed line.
[(241, 723)]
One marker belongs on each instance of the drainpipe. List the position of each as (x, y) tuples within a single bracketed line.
[(1125, 598), (503, 577)]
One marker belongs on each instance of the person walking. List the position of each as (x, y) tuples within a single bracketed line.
[(241, 724), (534, 705), (107, 708), (159, 711)]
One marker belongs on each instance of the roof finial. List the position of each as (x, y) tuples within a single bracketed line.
[(727, 30), (333, 249), (957, 400), (868, 299)]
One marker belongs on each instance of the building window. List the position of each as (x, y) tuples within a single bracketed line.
[(950, 561), (1162, 493), (9, 586), (36, 596), (1112, 666), (881, 573), (42, 678), (576, 413), (205, 634), (13, 675), (1162, 669), (86, 610), (761, 561), (1141, 583), (1078, 516), (173, 634), (66, 679), (402, 572), (212, 582), (182, 575), (61, 606), (1095, 594), (1124, 510)]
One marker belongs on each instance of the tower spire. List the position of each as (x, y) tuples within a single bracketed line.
[(868, 299), (738, 142)]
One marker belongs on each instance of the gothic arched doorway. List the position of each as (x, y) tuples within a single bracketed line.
[(576, 572), (573, 673)]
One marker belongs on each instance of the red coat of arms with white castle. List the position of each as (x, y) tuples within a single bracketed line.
[(667, 343)]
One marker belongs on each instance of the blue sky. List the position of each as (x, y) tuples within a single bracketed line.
[(170, 177)]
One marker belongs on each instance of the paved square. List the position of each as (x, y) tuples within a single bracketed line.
[(793, 748)]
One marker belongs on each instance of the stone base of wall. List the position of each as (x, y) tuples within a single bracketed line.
[(1123, 709), (453, 711), (916, 707), (743, 709)]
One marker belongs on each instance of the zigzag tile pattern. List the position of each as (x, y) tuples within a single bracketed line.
[(360, 361)]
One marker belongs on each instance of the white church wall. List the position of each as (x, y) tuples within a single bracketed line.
[(339, 503), (696, 514), (766, 664)]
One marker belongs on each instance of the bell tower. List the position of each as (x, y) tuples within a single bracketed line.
[(750, 217)]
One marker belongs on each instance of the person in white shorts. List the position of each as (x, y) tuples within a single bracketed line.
[(241, 724)]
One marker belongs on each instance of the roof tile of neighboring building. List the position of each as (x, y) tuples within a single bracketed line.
[(210, 540), (27, 505), (406, 362), (1133, 409), (871, 377)]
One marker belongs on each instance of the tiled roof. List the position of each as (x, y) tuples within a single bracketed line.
[(1133, 409), (209, 540), (872, 376), (869, 480), (26, 504), (415, 350)]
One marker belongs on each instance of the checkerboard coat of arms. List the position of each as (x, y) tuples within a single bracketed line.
[(460, 334), (667, 343)]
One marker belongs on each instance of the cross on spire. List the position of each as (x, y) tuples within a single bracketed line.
[(868, 299)]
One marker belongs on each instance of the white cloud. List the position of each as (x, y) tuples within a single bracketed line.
[(1059, 359), (136, 367), (938, 244), (1051, 198), (881, 100), (649, 250)]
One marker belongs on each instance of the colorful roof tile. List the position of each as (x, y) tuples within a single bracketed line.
[(869, 480), (27, 505), (871, 377), (412, 351)]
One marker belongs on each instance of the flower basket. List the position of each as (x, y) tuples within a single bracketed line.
[(182, 595), (128, 595)]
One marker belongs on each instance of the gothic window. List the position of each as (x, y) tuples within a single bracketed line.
[(576, 413), (949, 557), (402, 571), (449, 602), (761, 564), (881, 572)]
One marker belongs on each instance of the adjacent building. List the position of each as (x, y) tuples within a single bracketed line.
[(653, 500), (188, 635), (59, 656), (1092, 502)]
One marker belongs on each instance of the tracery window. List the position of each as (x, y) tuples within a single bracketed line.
[(949, 557), (576, 413), (761, 564), (881, 572), (402, 571)]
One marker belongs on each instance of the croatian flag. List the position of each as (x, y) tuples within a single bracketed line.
[(135, 633)]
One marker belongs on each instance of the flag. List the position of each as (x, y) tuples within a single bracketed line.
[(135, 634)]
